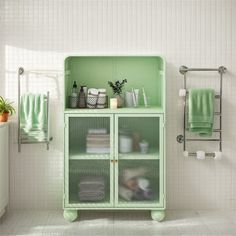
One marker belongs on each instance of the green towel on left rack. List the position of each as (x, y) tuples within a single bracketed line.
[(200, 111), (33, 116)]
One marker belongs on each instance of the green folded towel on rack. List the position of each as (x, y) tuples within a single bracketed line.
[(200, 113), (33, 115)]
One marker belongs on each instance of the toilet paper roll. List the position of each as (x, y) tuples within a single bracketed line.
[(185, 153), (182, 92), (218, 156), (201, 155)]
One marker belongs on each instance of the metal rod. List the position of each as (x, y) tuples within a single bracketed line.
[(31, 142), (216, 130), (202, 69), (208, 154), (184, 128), (221, 84), (48, 138), (184, 69), (198, 139), (216, 96), (20, 72)]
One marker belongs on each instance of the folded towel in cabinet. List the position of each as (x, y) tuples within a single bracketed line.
[(91, 195), (92, 183)]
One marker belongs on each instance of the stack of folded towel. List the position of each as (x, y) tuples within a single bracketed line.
[(134, 186), (33, 117), (91, 188), (98, 141)]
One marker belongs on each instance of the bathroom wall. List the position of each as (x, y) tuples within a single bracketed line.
[(38, 35)]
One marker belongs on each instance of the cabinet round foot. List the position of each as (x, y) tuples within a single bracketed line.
[(70, 215), (158, 215)]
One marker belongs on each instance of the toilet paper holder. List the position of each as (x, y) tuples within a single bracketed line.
[(181, 138)]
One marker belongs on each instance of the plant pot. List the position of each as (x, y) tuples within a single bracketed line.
[(119, 101), (4, 117)]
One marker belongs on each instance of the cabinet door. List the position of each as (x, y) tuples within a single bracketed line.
[(139, 158), (88, 161)]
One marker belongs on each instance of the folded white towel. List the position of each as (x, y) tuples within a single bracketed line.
[(97, 131), (125, 193), (133, 173)]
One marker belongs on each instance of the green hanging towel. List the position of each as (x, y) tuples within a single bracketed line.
[(33, 116), (200, 111)]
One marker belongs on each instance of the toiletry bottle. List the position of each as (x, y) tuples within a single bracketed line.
[(74, 90), (73, 99), (82, 98)]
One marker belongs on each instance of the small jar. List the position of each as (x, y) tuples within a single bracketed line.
[(144, 146), (125, 142)]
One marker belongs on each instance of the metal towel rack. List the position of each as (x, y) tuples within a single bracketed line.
[(20, 139), (182, 137)]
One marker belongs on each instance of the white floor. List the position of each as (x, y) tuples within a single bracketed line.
[(119, 223)]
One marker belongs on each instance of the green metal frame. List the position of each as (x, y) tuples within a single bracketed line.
[(114, 158)]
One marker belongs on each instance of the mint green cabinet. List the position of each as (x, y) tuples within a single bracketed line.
[(115, 160), (112, 165)]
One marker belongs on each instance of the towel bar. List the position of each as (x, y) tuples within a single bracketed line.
[(21, 140), (182, 137)]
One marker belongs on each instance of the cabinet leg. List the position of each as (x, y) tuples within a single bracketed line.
[(70, 215), (158, 215)]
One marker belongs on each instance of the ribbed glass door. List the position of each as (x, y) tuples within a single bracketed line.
[(88, 166), (139, 160)]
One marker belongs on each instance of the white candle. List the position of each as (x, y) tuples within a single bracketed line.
[(113, 103)]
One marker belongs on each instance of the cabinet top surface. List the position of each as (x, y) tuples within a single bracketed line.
[(144, 110), (3, 124)]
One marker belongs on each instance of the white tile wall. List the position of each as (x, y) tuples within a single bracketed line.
[(198, 33)]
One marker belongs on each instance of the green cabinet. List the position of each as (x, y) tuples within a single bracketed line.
[(104, 148)]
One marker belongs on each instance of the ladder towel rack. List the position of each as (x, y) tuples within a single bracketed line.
[(182, 137), (24, 140)]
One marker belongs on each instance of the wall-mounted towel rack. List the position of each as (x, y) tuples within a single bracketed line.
[(21, 139), (182, 137)]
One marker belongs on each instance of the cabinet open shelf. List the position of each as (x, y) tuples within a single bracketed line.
[(95, 71)]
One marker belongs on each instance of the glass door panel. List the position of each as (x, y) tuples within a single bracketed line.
[(138, 137), (89, 183), (138, 183), (139, 167), (88, 166), (89, 137)]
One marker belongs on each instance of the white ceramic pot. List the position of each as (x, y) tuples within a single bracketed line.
[(125, 144)]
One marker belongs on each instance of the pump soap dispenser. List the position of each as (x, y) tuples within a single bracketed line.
[(73, 99), (82, 97)]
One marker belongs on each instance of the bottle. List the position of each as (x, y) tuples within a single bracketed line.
[(74, 90), (73, 99), (82, 98)]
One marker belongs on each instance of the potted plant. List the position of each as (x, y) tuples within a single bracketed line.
[(6, 109), (117, 87)]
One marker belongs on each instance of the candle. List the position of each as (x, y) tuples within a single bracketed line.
[(113, 103)]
